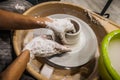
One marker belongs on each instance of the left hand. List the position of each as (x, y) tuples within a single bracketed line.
[(43, 47)]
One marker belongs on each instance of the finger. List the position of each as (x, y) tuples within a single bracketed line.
[(62, 48), (73, 24), (48, 19), (73, 30), (45, 54), (63, 39)]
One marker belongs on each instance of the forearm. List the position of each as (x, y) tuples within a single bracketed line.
[(10, 20), (15, 70)]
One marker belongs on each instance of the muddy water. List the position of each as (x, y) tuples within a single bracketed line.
[(114, 54)]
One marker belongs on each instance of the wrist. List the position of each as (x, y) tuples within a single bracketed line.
[(41, 21), (38, 22)]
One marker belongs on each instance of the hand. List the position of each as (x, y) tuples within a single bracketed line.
[(43, 47), (60, 26)]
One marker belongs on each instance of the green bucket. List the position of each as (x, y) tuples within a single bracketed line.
[(106, 68)]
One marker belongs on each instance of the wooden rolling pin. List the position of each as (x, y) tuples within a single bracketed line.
[(15, 70)]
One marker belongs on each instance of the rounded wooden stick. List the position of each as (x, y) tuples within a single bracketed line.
[(15, 70)]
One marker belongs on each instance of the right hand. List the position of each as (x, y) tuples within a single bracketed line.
[(43, 47), (60, 26)]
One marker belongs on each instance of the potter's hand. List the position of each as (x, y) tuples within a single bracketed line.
[(43, 47), (60, 26)]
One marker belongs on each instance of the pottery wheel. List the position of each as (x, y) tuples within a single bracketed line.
[(82, 52)]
